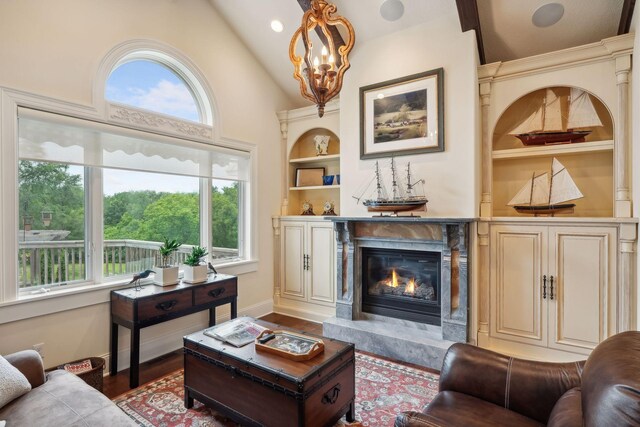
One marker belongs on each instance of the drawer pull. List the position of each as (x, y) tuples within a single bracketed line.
[(214, 293), (331, 396), (167, 305)]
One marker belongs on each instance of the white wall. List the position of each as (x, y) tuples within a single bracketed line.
[(450, 175), (55, 48), (635, 142)]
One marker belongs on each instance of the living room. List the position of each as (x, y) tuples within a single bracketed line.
[(59, 56)]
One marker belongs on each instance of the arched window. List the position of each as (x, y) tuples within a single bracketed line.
[(152, 86)]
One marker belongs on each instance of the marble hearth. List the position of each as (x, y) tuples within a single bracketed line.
[(413, 342)]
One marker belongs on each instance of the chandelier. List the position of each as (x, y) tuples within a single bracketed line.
[(320, 77)]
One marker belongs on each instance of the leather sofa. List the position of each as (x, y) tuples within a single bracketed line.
[(482, 388), (58, 398)]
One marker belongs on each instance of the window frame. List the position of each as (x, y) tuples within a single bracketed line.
[(97, 291)]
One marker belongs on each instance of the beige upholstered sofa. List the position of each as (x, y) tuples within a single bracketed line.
[(58, 398)]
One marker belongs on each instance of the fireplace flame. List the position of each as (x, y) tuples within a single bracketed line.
[(394, 279), (411, 286)]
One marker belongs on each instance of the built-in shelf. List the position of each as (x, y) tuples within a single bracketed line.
[(327, 158), (553, 150), (315, 187)]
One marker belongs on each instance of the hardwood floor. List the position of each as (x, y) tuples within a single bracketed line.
[(156, 368)]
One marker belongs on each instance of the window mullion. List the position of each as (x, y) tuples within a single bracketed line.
[(93, 223), (206, 215)]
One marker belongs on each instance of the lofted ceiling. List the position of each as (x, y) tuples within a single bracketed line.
[(504, 28)]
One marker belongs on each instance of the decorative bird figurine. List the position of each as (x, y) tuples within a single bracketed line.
[(212, 268), (137, 277)]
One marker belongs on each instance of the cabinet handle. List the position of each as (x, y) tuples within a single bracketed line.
[(551, 287), (544, 287), (305, 265), (214, 293), (331, 396), (166, 305)]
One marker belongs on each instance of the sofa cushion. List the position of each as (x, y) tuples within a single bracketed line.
[(13, 383), (450, 408), (568, 410), (64, 400)]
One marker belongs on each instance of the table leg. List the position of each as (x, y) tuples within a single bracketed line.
[(212, 316), (351, 413), (134, 358), (234, 308), (113, 350), (188, 400)]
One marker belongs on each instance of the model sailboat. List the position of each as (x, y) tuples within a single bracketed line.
[(550, 125), (541, 195), (402, 198)]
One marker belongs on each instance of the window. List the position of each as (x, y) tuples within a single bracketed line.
[(117, 193), (152, 86)]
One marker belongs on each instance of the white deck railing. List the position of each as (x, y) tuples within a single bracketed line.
[(58, 262)]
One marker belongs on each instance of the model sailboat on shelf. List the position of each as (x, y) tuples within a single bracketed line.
[(549, 124), (544, 195), (403, 196)]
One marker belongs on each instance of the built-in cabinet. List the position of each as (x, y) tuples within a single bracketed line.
[(305, 245), (552, 286), (556, 286), (307, 267)]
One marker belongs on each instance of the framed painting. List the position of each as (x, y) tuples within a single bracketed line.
[(403, 116), (309, 177)]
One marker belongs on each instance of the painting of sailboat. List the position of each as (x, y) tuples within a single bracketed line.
[(404, 194), (555, 123), (547, 195)]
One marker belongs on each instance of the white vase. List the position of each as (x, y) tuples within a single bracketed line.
[(196, 274), (165, 276)]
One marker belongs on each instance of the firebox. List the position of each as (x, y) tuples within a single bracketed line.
[(401, 283)]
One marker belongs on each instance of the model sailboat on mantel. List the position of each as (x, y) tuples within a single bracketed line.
[(541, 195), (549, 124)]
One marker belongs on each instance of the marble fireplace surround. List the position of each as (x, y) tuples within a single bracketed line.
[(412, 342)]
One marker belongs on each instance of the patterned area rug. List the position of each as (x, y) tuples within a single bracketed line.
[(383, 388)]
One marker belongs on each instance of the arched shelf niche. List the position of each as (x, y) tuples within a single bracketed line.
[(304, 156), (590, 163)]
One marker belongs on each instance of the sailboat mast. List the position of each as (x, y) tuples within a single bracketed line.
[(394, 183), (551, 185), (533, 179), (409, 185), (378, 185)]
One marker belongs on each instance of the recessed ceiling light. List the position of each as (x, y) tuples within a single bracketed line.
[(391, 10), (547, 15), (277, 26)]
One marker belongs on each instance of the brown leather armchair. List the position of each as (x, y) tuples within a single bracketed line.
[(482, 388)]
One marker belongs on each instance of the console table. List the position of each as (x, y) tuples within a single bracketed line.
[(137, 309)]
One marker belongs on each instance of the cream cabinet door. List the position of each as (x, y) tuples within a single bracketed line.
[(518, 266), (583, 297), (292, 256), (321, 245)]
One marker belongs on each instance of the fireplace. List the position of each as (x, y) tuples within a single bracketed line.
[(404, 284)]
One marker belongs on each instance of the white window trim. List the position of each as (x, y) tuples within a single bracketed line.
[(14, 307)]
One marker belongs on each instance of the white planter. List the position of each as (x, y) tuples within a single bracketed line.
[(195, 274), (165, 276)]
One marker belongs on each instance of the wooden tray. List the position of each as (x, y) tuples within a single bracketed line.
[(290, 345)]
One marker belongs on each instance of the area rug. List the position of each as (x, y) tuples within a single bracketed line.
[(383, 389)]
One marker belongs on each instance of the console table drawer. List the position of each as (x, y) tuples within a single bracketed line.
[(215, 291), (164, 304)]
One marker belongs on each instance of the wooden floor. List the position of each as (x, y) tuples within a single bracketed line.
[(156, 368)]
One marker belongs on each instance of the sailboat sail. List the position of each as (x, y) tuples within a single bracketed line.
[(581, 111), (552, 113), (562, 186), (533, 123), (534, 192)]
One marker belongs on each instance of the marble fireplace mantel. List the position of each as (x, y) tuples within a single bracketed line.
[(410, 341)]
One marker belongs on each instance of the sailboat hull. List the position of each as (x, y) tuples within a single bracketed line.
[(545, 209), (549, 138), (394, 206)]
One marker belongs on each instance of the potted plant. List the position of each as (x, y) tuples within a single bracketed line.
[(194, 272), (166, 273)]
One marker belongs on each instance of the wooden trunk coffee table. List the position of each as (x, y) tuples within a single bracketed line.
[(264, 389)]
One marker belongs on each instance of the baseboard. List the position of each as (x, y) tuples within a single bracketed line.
[(301, 313), (171, 339)]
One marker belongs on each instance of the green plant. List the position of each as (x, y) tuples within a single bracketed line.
[(193, 259), (167, 249)]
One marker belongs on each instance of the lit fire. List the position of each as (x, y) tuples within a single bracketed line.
[(393, 282), (411, 285), (394, 279)]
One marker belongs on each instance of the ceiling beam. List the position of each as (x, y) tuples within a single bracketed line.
[(470, 20), (338, 41), (626, 16)]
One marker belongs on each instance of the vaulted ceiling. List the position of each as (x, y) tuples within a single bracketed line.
[(504, 28)]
